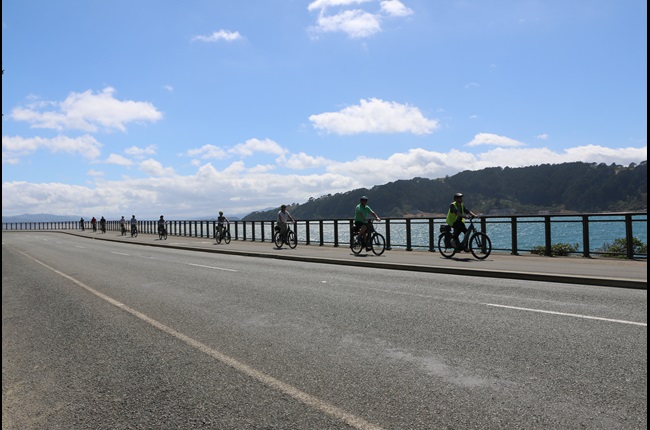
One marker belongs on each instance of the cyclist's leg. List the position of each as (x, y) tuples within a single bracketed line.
[(283, 231), (458, 227), (363, 233)]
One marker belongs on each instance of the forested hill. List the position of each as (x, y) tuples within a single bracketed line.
[(553, 188)]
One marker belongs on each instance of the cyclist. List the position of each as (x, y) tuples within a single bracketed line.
[(93, 222), (102, 224), (283, 217), (456, 218), (123, 224), (134, 224), (81, 224), (161, 225), (361, 216), (221, 222)]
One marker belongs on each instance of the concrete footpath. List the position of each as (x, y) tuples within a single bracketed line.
[(573, 270)]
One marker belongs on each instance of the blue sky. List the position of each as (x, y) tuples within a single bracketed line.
[(152, 107)]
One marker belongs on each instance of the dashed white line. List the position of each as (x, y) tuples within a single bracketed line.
[(211, 267), (567, 314)]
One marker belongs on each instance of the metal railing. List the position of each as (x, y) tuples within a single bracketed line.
[(514, 234)]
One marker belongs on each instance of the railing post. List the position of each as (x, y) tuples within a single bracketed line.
[(262, 231), (585, 236), (388, 247), (432, 236), (243, 227), (253, 231), (513, 235), (307, 238), (547, 235), (321, 238), (236, 230), (408, 235), (336, 233), (629, 239)]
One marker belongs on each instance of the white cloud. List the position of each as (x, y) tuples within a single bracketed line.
[(87, 111), (395, 8), (303, 161), (208, 152), (16, 147), (252, 146), (493, 139), (355, 22), (118, 160), (155, 169), (375, 116), (226, 35), (138, 152), (324, 4)]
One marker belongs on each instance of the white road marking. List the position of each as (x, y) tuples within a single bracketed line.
[(274, 383), (119, 253), (568, 315), (212, 267)]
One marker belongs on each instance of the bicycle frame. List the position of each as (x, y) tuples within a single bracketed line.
[(374, 240), (474, 241)]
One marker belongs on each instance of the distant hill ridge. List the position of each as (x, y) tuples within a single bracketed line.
[(548, 188)]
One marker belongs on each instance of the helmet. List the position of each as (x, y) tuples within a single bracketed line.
[(161, 216), (220, 212), (363, 198), (283, 207), (458, 195)]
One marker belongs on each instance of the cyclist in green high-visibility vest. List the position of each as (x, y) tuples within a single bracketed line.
[(456, 218)]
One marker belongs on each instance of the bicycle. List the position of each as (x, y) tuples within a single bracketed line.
[(123, 230), (377, 243), (103, 228), (289, 238), (224, 235), (474, 241), (134, 231), (162, 233)]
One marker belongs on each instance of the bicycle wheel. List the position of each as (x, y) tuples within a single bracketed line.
[(226, 237), (292, 239), (378, 243), (445, 251), (277, 238), (356, 245), (480, 245)]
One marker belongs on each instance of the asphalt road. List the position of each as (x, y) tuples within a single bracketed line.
[(585, 271), (108, 335)]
